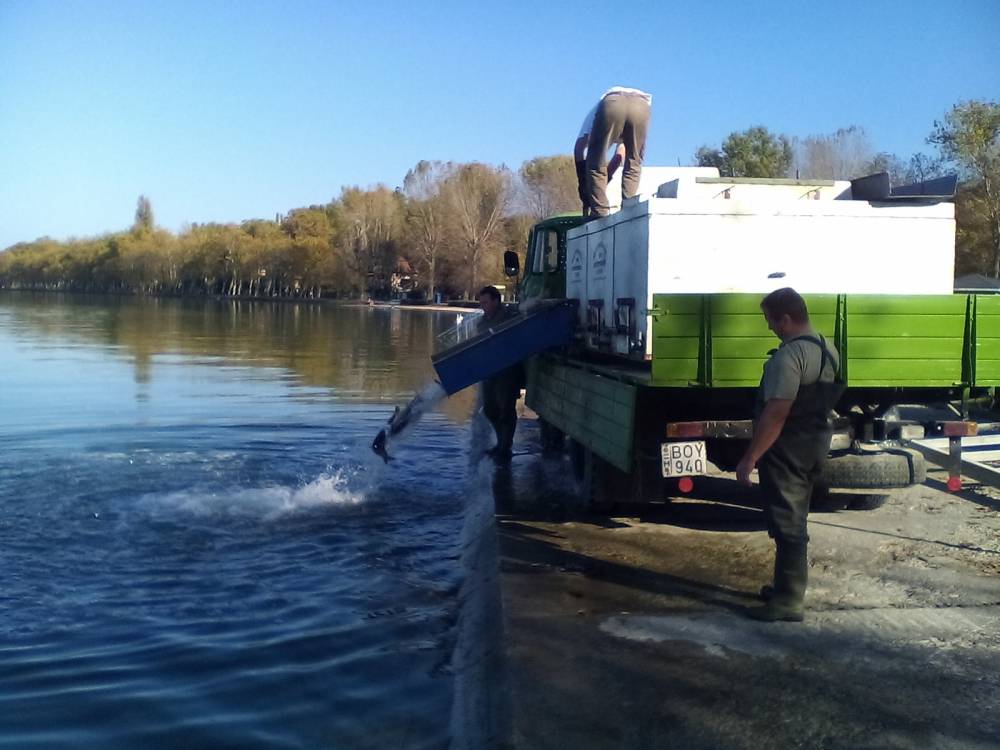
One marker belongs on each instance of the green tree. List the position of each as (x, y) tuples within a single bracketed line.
[(754, 152), (707, 156), (969, 138), (973, 238)]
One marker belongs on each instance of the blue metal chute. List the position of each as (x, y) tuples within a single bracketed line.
[(485, 354)]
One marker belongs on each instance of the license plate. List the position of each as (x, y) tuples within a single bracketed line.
[(683, 459)]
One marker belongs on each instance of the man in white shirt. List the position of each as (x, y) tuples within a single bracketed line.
[(620, 117)]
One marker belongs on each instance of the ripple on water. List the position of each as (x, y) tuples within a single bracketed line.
[(199, 549)]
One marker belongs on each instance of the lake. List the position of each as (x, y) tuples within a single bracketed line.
[(199, 548)]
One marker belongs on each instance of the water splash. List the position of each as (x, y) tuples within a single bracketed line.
[(480, 709), (266, 503)]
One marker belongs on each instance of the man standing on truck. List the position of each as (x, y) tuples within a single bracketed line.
[(620, 117), (500, 392), (791, 439)]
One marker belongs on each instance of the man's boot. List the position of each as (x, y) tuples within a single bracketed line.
[(791, 576), (505, 443), (767, 590)]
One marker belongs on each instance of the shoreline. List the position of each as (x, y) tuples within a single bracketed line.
[(470, 306)]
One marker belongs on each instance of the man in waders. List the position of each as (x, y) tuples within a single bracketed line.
[(500, 392), (791, 438)]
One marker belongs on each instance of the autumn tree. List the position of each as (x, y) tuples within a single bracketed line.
[(427, 215), (969, 138), (478, 195), (548, 185), (368, 233), (842, 155), (143, 214), (310, 241)]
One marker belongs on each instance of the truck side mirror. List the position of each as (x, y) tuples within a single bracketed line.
[(511, 263)]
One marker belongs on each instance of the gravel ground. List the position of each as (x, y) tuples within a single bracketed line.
[(627, 631)]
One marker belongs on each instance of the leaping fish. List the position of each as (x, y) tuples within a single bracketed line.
[(399, 419)]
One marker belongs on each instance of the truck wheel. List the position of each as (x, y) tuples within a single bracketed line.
[(869, 501), (823, 501), (883, 470)]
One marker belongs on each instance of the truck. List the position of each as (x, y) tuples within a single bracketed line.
[(643, 340)]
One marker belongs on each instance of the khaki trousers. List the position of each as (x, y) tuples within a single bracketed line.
[(620, 118)]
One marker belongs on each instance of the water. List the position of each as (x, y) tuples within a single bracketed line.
[(199, 548)]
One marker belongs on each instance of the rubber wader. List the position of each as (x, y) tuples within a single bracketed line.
[(787, 473), (500, 407)]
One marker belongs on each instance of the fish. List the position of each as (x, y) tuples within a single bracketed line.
[(397, 422), (427, 399), (378, 445)]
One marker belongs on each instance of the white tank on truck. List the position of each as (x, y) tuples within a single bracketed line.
[(698, 233)]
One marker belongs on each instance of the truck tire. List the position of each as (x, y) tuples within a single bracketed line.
[(882, 470), (823, 501), (869, 501)]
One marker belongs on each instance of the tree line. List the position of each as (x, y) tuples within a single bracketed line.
[(445, 228)]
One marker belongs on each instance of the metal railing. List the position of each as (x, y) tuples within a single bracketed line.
[(466, 327)]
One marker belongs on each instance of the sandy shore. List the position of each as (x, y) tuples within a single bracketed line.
[(627, 631)]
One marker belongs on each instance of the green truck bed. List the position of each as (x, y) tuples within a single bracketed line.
[(721, 340)]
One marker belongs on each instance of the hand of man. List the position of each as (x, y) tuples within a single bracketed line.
[(743, 469)]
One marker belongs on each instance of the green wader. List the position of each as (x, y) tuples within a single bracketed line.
[(500, 406), (788, 472), (500, 393)]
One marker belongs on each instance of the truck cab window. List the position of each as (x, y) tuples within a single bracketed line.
[(551, 251), (546, 252)]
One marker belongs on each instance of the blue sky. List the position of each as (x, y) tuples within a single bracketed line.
[(225, 111)]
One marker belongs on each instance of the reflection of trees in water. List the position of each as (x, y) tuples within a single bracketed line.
[(357, 351)]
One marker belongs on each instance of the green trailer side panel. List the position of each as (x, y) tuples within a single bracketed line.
[(903, 348), (679, 304), (675, 325), (678, 339), (740, 338), (932, 304), (929, 341), (597, 411), (676, 371), (916, 325), (731, 335), (986, 332), (895, 341)]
